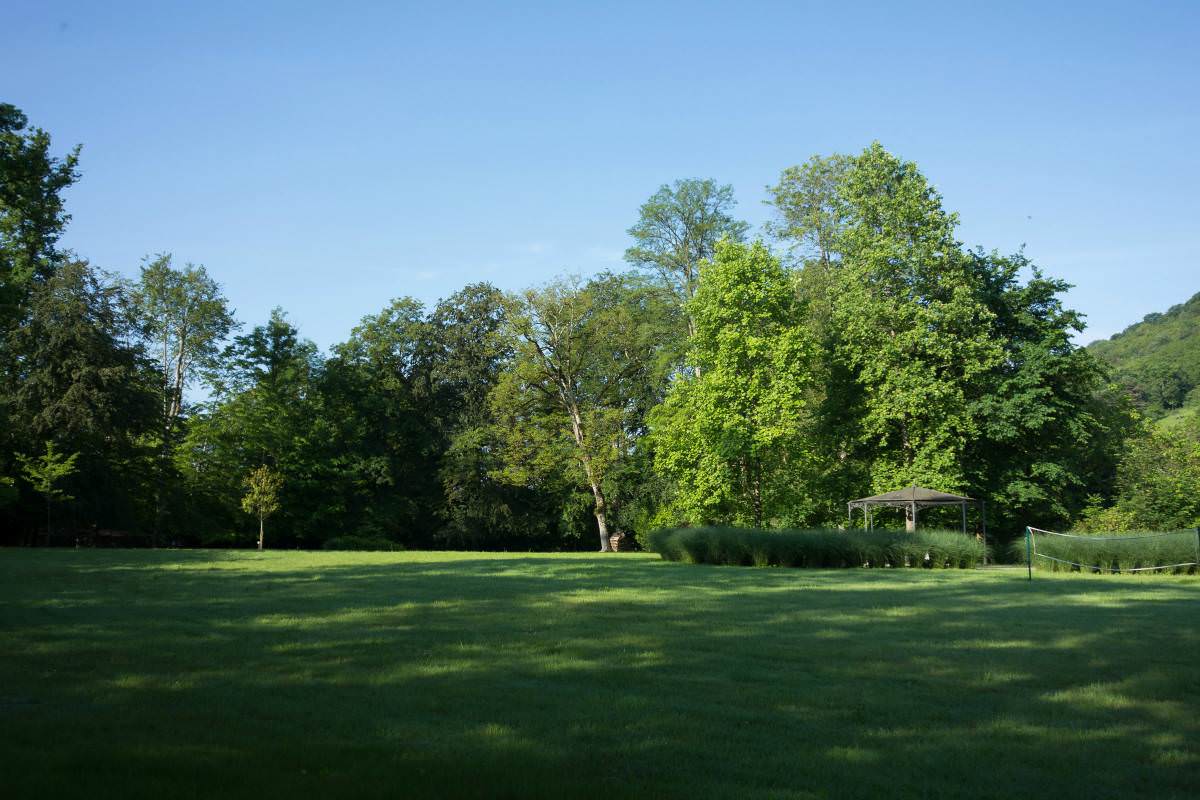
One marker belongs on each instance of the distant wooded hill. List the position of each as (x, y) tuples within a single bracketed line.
[(1159, 360)]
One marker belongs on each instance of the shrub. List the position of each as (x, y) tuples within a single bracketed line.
[(817, 548), (1114, 552), (361, 543)]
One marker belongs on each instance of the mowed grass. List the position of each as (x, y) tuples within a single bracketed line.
[(231, 674)]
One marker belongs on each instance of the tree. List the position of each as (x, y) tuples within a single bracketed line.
[(79, 377), (810, 213), (1049, 431), (32, 215), (678, 229), (45, 472), (265, 411), (566, 404), (184, 318), (911, 326), (262, 496), (735, 439)]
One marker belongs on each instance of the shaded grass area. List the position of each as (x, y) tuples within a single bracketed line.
[(821, 548), (199, 674)]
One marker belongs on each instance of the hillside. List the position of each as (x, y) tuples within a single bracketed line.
[(1159, 360)]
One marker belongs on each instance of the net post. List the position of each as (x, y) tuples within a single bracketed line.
[(1198, 549), (1029, 552)]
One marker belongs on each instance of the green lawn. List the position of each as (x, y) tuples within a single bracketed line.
[(181, 674)]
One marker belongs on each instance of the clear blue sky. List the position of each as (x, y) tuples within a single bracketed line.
[(326, 157)]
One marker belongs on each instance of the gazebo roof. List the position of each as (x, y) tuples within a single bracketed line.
[(913, 494)]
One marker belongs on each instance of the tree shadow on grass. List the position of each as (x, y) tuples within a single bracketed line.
[(544, 676)]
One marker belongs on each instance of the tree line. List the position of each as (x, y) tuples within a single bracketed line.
[(857, 346)]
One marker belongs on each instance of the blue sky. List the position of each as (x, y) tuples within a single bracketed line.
[(328, 157)]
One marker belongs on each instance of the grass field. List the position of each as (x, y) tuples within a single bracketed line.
[(185, 674)]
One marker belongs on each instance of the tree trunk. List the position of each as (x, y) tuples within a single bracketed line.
[(260, 533), (47, 522), (601, 518), (601, 507)]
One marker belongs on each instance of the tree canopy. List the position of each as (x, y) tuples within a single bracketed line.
[(859, 348)]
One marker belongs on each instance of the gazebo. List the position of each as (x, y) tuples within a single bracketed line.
[(912, 500)]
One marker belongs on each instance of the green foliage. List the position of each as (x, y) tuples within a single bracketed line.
[(262, 496), (32, 212), (817, 548), (185, 318), (366, 543), (45, 472), (732, 435), (589, 361), (912, 326), (810, 212), (678, 229), (882, 354), (1049, 429), (1158, 359), (262, 492), (1158, 482), (1133, 552)]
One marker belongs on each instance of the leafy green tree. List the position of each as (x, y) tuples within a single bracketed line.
[(1157, 481), (377, 395), (264, 412), (32, 215), (565, 405), (184, 319), (678, 229), (262, 496), (810, 214), (45, 472), (911, 325), (735, 439), (1048, 431), (81, 379)]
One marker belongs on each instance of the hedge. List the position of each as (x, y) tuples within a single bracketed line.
[(817, 548)]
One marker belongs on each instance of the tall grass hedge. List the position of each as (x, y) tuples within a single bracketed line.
[(818, 548), (1114, 552)]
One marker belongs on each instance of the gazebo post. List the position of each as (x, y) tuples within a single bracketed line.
[(964, 515), (983, 515)]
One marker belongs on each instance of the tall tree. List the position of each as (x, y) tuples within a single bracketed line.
[(678, 229), (1048, 432), (32, 215), (911, 325), (264, 412), (810, 215), (82, 380), (185, 318), (565, 404), (735, 439)]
